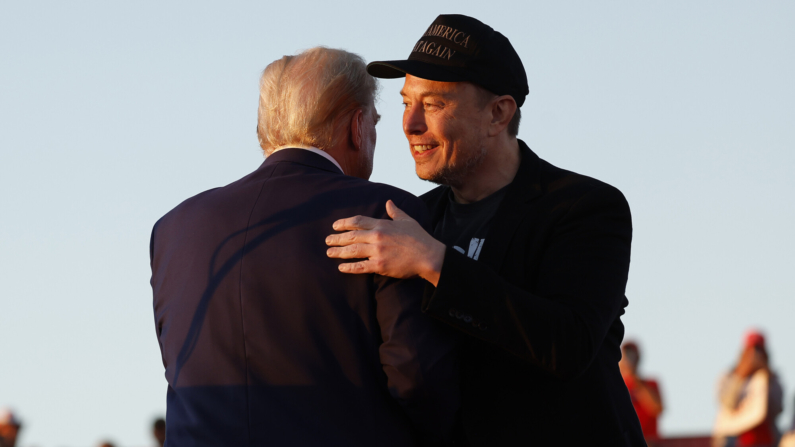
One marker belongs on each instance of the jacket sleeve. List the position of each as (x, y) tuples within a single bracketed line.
[(418, 353), (578, 285), (158, 327)]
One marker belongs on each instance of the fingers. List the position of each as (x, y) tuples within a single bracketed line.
[(356, 267), (347, 238), (355, 223), (349, 252), (394, 212)]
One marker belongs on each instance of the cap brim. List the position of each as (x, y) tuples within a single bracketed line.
[(424, 70)]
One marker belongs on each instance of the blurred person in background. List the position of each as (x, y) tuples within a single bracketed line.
[(788, 440), (159, 431), (750, 398), (9, 428), (644, 392), (107, 444)]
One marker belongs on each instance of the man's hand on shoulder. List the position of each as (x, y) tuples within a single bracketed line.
[(398, 248)]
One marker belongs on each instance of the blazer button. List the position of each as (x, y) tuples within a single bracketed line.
[(467, 319), (459, 314), (451, 312)]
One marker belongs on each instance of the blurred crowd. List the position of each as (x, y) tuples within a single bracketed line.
[(749, 397), (10, 427)]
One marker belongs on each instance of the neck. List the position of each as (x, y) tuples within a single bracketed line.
[(497, 170), (341, 153)]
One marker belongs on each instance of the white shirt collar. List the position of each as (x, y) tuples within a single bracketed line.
[(311, 149)]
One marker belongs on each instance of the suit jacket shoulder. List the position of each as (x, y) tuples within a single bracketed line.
[(554, 180), (264, 340)]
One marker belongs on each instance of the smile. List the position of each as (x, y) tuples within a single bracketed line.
[(420, 148)]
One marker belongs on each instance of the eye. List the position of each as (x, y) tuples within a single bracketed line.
[(433, 105)]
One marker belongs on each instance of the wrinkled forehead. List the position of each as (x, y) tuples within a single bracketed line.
[(419, 88)]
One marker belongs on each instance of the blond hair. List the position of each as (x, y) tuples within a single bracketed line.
[(304, 99)]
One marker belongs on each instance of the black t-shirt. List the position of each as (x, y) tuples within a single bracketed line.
[(464, 225)]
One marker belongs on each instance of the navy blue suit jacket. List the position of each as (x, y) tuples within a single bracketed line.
[(265, 342)]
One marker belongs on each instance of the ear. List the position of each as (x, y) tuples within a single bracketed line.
[(502, 111), (357, 129)]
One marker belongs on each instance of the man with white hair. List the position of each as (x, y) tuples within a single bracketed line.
[(264, 341)]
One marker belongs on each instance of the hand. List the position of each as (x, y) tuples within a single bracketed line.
[(398, 248)]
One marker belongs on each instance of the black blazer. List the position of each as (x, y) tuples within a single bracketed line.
[(541, 310), (265, 342)]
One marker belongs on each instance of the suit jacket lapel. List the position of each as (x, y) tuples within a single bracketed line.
[(436, 201), (514, 208)]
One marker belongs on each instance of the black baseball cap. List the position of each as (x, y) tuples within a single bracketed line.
[(460, 48)]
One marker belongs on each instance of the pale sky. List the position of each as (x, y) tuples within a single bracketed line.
[(112, 113)]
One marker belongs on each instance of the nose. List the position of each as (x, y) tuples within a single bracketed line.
[(414, 121)]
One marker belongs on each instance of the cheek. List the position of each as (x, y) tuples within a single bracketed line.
[(464, 140), (452, 134)]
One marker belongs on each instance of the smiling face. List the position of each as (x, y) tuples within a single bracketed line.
[(445, 124)]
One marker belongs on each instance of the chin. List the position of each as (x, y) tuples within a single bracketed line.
[(439, 177), (423, 174)]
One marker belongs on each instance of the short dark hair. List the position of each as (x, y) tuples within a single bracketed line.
[(632, 351), (513, 126), (484, 96), (159, 424)]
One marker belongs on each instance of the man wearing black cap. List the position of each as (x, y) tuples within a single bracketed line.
[(528, 261)]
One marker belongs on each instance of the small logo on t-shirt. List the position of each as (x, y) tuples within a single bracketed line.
[(475, 245)]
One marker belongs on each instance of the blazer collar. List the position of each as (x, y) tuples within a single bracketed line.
[(301, 156), (525, 187)]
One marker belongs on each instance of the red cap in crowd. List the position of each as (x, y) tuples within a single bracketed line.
[(754, 338)]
